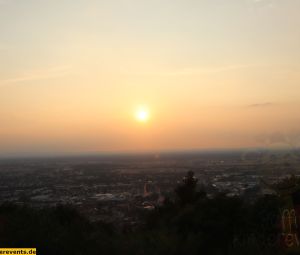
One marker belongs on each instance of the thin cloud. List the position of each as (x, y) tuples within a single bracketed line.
[(268, 3), (5, 1), (41, 74), (261, 105), (262, 1), (2, 46), (191, 71)]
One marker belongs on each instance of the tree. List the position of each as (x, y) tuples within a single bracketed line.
[(186, 192)]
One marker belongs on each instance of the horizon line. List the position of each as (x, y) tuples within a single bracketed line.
[(50, 155)]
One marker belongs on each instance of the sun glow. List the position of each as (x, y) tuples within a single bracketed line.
[(142, 114)]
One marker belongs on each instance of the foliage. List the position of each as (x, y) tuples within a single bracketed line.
[(192, 223)]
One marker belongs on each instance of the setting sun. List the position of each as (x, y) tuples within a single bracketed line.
[(142, 115)]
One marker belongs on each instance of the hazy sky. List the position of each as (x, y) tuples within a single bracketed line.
[(213, 74)]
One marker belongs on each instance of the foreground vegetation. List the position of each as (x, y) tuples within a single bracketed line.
[(191, 223)]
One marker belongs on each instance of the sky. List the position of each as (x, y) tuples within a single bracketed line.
[(211, 73)]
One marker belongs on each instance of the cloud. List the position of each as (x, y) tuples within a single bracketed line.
[(2, 46), (261, 1), (5, 1), (260, 105), (190, 71), (268, 3), (40, 74)]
